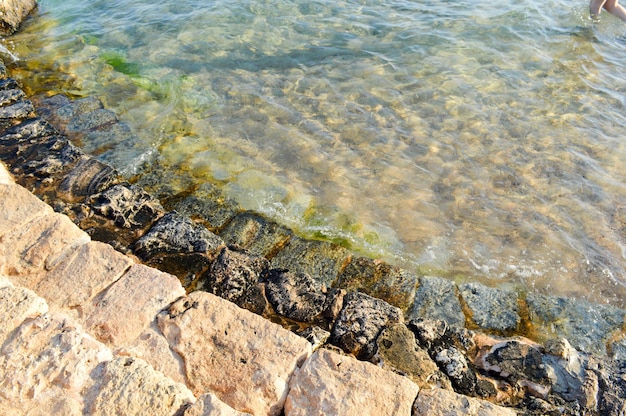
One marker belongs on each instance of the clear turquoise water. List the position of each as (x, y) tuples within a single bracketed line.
[(470, 139)]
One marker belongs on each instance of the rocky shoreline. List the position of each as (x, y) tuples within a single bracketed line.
[(449, 348)]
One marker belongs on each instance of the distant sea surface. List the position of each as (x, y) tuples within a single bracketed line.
[(470, 139)]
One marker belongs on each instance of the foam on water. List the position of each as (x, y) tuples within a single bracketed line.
[(470, 139)]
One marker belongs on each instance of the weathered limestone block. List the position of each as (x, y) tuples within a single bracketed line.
[(360, 321), (121, 313), (210, 405), (12, 13), (437, 298), (398, 351), (244, 359), (39, 245), (380, 280), (45, 366), (235, 276), (5, 176), (129, 386), (256, 234), (87, 271), (18, 207), (438, 402), (492, 308), (321, 260), (152, 347), (586, 326), (18, 304), (332, 384), (294, 295)]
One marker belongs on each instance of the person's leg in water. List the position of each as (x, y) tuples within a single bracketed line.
[(611, 6)]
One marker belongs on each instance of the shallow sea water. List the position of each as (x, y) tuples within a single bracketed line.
[(468, 139)]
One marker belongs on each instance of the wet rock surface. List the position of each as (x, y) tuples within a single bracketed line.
[(491, 308), (359, 323), (295, 295), (587, 325), (437, 298), (321, 260), (236, 276), (380, 280)]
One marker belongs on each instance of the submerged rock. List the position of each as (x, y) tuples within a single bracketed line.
[(322, 261), (359, 323), (437, 298), (380, 280), (207, 203), (256, 234), (586, 326), (492, 308)]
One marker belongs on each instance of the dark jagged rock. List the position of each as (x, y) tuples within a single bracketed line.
[(178, 246), (455, 365), (437, 298), (586, 326), (236, 276), (321, 260), (128, 206), (380, 280), (294, 295), (13, 114), (492, 308), (315, 335), (88, 177), (449, 347), (174, 234), (256, 234), (611, 390), (399, 352), (359, 323), (10, 96), (520, 364), (119, 215)]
